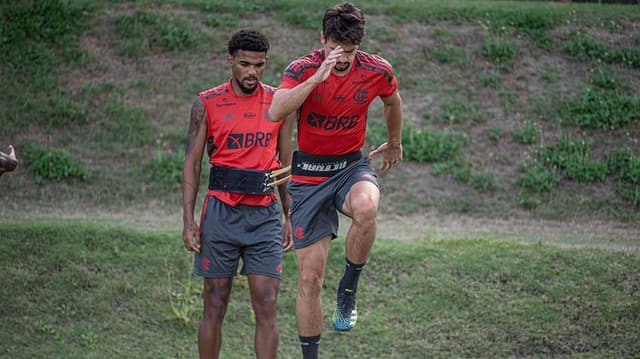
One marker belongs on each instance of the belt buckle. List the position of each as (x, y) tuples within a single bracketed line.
[(271, 179)]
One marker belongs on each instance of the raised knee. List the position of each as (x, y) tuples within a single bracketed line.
[(364, 210)]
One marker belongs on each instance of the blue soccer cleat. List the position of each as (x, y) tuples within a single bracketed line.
[(346, 315)]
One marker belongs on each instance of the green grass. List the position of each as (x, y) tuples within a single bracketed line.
[(499, 51), (527, 134), (143, 32), (84, 291), (108, 80), (53, 164)]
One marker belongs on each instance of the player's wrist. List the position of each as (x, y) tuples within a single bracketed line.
[(394, 143)]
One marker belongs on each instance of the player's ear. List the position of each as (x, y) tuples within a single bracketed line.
[(323, 39), (230, 60)]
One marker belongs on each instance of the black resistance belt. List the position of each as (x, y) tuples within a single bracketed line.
[(307, 164), (240, 180)]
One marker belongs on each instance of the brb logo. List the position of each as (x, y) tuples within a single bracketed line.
[(332, 123), (237, 141)]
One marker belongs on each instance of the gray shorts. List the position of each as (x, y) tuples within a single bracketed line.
[(229, 233), (314, 208)]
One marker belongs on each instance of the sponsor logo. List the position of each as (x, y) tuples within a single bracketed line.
[(228, 117), (225, 102), (299, 233), (339, 98), (247, 140), (363, 80), (249, 115), (332, 122), (323, 167), (205, 263), (360, 97), (279, 268)]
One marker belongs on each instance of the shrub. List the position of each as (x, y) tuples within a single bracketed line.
[(165, 168), (585, 170), (52, 164), (482, 181), (565, 151), (508, 99), (583, 47), (527, 134), (528, 200), (450, 55), (573, 157), (427, 146), (489, 79), (421, 145), (605, 80), (626, 164), (597, 109), (536, 177), (500, 52), (494, 133), (459, 110), (630, 193)]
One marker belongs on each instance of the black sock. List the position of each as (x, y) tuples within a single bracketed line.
[(310, 346), (351, 274)]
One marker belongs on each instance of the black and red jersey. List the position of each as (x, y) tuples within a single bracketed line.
[(333, 118), (239, 135)]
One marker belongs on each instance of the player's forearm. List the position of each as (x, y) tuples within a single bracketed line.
[(190, 184), (393, 117), (287, 101), (285, 200)]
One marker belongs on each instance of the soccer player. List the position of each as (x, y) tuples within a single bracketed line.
[(331, 90), (240, 217)]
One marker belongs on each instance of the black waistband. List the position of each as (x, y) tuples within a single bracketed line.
[(239, 180), (307, 164)]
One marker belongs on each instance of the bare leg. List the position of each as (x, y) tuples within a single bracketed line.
[(215, 297), (264, 295), (361, 204), (312, 261)]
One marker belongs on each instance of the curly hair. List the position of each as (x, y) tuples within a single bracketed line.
[(344, 23), (248, 40)]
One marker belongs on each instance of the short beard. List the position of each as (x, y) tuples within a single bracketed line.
[(345, 69), (246, 90)]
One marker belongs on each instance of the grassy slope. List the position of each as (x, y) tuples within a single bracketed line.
[(73, 290), (111, 84)]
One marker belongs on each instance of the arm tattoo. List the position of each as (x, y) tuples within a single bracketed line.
[(197, 116)]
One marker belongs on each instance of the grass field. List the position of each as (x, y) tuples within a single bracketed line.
[(71, 290), (518, 200)]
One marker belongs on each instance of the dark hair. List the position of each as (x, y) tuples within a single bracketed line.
[(248, 40), (344, 23)]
